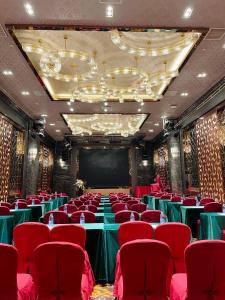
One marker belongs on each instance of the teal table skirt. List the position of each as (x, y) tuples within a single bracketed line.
[(163, 205), (109, 218), (173, 211), (6, 229), (211, 226), (47, 206), (21, 215), (55, 203), (36, 211), (190, 215), (152, 202)]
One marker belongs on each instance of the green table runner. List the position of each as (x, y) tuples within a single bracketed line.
[(211, 225), (190, 215), (173, 211), (163, 205), (6, 229), (21, 215)]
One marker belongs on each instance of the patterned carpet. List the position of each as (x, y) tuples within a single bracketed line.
[(103, 292)]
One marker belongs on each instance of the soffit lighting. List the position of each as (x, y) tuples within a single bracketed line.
[(187, 12), (184, 94), (109, 11), (7, 72), (29, 9), (25, 93), (201, 75)]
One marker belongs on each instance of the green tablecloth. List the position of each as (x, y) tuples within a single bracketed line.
[(152, 202), (173, 211), (99, 217), (55, 203), (211, 225), (163, 205), (37, 211), (21, 215), (109, 218), (6, 229), (190, 215), (47, 205)]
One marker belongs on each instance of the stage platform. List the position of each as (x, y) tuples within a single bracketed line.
[(106, 191)]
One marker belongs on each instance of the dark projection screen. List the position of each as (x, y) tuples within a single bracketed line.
[(102, 168)]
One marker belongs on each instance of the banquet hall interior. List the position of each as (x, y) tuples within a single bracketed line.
[(112, 150)]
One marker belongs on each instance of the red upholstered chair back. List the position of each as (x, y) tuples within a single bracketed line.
[(127, 199), (118, 207), (140, 207), (60, 217), (59, 267), (36, 201), (177, 236), (116, 201), (175, 198), (205, 201), (78, 203), (130, 231), (4, 211), (205, 261), (152, 193), (124, 216), (131, 202), (70, 208), (91, 202), (158, 195), (165, 197), (6, 204), (8, 280), (21, 200), (213, 207), (91, 208), (20, 205), (151, 216), (27, 236), (144, 265), (189, 202), (69, 233), (89, 216)]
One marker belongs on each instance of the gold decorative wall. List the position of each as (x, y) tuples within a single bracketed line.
[(45, 168), (209, 157), (161, 165)]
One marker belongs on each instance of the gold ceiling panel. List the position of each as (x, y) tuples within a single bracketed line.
[(95, 66)]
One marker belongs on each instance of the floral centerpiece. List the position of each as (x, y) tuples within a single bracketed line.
[(79, 185)]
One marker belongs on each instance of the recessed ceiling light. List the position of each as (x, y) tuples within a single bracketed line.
[(163, 117), (201, 75), (173, 106), (44, 115), (201, 118), (187, 12), (142, 103), (109, 11), (106, 103), (7, 72), (57, 130), (156, 124), (69, 103), (223, 46), (139, 109), (184, 94), (151, 130), (29, 9), (71, 109), (25, 93), (52, 124), (105, 109)]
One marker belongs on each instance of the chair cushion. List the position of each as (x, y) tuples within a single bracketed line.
[(26, 288), (178, 287)]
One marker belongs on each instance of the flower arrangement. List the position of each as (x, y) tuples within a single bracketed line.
[(79, 184)]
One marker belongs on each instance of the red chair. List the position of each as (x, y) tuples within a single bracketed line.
[(205, 201), (166, 197), (213, 207), (27, 236), (20, 205), (223, 235), (139, 208), (4, 211), (89, 216), (175, 198), (125, 199), (6, 204), (205, 261), (158, 195), (151, 216), (118, 207), (144, 266), (91, 202), (75, 234), (91, 208), (21, 200), (116, 201), (189, 202), (60, 217), (131, 202), (124, 216), (35, 201), (59, 271), (78, 203), (13, 286), (70, 208)]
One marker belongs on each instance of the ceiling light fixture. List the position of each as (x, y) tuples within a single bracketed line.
[(57, 130), (7, 72), (106, 103), (184, 94), (187, 12), (25, 93), (151, 130), (156, 124), (71, 109), (105, 109), (201, 75), (69, 103), (142, 103), (173, 106), (223, 46), (44, 115), (29, 9), (52, 124), (139, 109), (109, 11)]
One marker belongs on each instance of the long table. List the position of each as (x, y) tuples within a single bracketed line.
[(211, 225), (190, 215)]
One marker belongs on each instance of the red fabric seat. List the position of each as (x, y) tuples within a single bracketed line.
[(205, 201), (213, 207), (36, 201), (6, 204), (144, 266), (139, 208), (118, 207), (89, 216), (91, 208), (116, 201), (151, 216), (20, 205), (60, 217), (131, 202), (21, 200), (77, 235), (59, 271), (91, 202), (78, 203), (124, 216), (4, 211), (70, 208), (13, 286), (189, 202), (205, 275), (223, 235), (175, 198), (27, 236), (166, 196)]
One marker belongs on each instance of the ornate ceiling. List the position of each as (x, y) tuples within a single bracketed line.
[(96, 66)]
